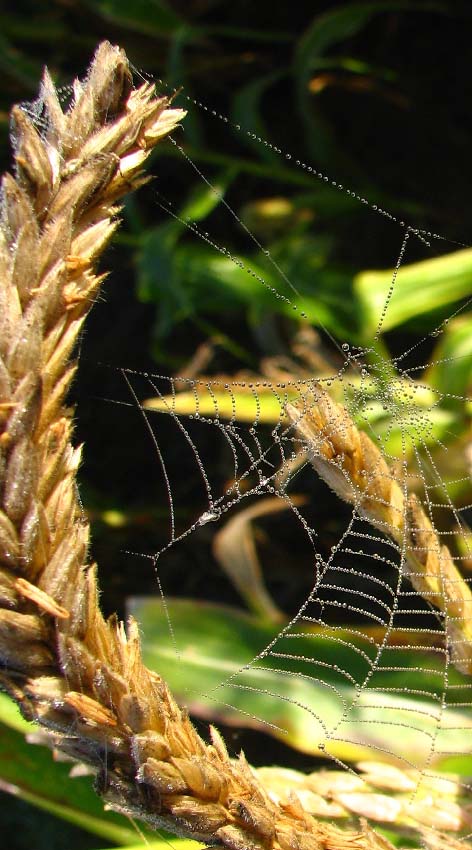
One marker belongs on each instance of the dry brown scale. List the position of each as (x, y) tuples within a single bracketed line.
[(78, 676)]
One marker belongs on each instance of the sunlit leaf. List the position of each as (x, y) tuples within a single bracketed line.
[(237, 403), (170, 843), (208, 281), (29, 772), (208, 668), (420, 288), (203, 199), (451, 362), (399, 426)]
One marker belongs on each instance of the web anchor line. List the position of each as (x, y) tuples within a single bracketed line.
[(422, 234)]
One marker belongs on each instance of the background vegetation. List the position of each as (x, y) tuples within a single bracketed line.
[(375, 94)]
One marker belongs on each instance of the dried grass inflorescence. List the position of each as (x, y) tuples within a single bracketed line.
[(353, 466), (78, 676)]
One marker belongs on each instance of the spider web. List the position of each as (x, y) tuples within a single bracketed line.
[(363, 600), (401, 694)]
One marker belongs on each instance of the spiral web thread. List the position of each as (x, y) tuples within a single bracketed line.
[(363, 599), (364, 576)]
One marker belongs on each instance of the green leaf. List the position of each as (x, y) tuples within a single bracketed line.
[(209, 668), (325, 31), (233, 403), (30, 772), (451, 362), (176, 77), (170, 843), (144, 16), (246, 112), (20, 28), (195, 280), (158, 274), (204, 199), (10, 716), (156, 277), (289, 176), (36, 778), (412, 429), (334, 26), (248, 34), (19, 67), (399, 427), (420, 288)]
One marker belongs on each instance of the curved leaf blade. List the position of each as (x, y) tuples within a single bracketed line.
[(312, 701)]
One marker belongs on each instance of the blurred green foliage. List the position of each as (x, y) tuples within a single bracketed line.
[(29, 773), (374, 93), (213, 650)]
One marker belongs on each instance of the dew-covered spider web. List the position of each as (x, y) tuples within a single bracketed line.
[(357, 455)]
